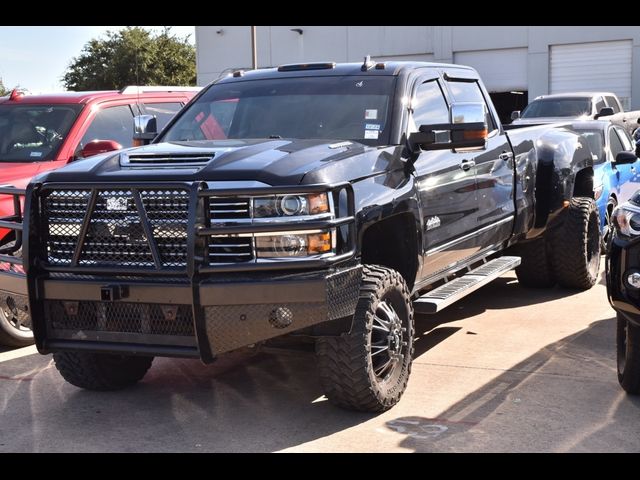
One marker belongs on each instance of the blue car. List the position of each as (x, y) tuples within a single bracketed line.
[(614, 181)]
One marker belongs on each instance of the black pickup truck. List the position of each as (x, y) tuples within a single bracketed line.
[(329, 201)]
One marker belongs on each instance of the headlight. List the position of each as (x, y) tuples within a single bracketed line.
[(290, 205), (626, 220), (294, 244)]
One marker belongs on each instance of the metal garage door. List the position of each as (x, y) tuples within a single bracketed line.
[(595, 66), (501, 70)]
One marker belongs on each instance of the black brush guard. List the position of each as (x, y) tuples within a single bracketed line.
[(197, 310)]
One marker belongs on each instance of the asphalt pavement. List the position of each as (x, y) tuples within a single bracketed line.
[(508, 369)]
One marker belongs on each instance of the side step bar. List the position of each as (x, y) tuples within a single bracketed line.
[(450, 292)]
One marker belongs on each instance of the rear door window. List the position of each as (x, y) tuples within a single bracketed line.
[(470, 92), (163, 111), (627, 144)]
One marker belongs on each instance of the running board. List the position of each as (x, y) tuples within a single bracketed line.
[(450, 292)]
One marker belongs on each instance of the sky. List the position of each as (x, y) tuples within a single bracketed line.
[(35, 58)]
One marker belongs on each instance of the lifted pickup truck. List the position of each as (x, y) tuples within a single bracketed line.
[(325, 200)]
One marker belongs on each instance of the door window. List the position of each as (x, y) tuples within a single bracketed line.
[(613, 103), (429, 106), (112, 123), (615, 145)]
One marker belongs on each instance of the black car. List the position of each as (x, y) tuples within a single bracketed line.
[(623, 288)]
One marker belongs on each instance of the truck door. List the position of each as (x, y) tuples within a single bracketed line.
[(495, 211), (446, 185), (627, 175)]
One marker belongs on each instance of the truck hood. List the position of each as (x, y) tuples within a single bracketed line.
[(18, 174), (274, 162), (544, 120)]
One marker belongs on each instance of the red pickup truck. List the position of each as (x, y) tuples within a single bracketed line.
[(45, 132)]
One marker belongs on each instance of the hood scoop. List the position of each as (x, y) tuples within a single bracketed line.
[(159, 160)]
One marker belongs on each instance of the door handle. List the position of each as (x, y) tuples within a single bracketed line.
[(467, 164), (505, 156)]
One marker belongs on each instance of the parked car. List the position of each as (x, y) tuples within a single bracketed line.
[(616, 168), (562, 107), (39, 133), (308, 199), (623, 290)]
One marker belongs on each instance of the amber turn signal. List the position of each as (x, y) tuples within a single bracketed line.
[(475, 134), (318, 203), (319, 243)]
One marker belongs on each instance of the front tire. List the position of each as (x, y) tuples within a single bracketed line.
[(368, 368), (101, 371), (628, 355), (576, 245)]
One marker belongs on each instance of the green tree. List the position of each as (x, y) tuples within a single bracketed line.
[(6, 91), (133, 56), (3, 89)]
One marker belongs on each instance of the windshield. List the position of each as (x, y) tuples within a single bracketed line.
[(340, 108), (33, 133), (595, 139), (558, 107)]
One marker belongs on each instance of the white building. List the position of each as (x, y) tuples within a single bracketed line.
[(516, 63)]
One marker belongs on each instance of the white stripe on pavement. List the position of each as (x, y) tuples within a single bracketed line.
[(18, 353)]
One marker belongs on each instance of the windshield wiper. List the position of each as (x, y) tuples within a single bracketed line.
[(277, 137)]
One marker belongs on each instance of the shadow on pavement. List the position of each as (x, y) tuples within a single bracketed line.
[(242, 403), (261, 401), (502, 293), (540, 398)]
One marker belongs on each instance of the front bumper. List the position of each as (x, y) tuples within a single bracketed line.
[(623, 259), (186, 319), (199, 312)]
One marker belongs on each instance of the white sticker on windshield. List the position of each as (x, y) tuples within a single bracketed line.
[(371, 134), (372, 126), (35, 154), (371, 114)]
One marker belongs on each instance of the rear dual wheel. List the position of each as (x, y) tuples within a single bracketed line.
[(568, 254)]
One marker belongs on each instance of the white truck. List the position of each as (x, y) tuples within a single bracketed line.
[(562, 107)]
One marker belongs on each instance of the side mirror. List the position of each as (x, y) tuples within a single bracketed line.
[(604, 112), (467, 130), (99, 146), (515, 115), (625, 158), (145, 129)]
